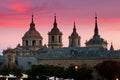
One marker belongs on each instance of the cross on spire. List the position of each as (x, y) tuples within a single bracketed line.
[(96, 33), (32, 25), (55, 22)]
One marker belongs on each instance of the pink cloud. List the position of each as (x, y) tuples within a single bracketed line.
[(18, 7)]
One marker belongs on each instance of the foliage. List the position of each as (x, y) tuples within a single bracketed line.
[(44, 71), (15, 71), (83, 73), (5, 71), (108, 69)]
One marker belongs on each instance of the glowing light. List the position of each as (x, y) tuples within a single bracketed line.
[(6, 78), (117, 78), (76, 67), (21, 79)]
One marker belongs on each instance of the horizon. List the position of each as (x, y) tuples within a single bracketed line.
[(16, 18)]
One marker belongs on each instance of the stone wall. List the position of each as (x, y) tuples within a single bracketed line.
[(65, 62)]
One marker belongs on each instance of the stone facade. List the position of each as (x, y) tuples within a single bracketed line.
[(66, 62), (10, 55)]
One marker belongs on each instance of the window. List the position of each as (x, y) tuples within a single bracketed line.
[(52, 47), (78, 41), (40, 42), (33, 43), (59, 39), (52, 38), (29, 63), (26, 42)]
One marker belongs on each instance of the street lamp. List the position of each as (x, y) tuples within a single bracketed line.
[(21, 78), (6, 78), (117, 78), (76, 67)]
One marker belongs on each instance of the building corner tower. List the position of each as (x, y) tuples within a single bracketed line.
[(74, 38), (55, 36), (96, 40), (32, 38)]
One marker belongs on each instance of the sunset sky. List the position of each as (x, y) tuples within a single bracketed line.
[(15, 18)]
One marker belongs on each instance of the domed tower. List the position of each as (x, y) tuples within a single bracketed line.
[(74, 39), (54, 37), (96, 40), (32, 37)]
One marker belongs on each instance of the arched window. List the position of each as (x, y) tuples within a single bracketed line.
[(40, 42), (52, 38), (59, 39), (33, 43), (26, 42), (78, 41)]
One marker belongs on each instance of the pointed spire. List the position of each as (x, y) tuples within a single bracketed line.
[(32, 18), (32, 25), (96, 33), (111, 47), (74, 29), (55, 23)]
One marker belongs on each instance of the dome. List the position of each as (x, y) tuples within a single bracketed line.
[(56, 31), (32, 34), (74, 33), (97, 40)]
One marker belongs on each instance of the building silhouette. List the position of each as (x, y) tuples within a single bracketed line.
[(33, 52)]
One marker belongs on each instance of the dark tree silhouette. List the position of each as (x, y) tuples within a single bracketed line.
[(108, 69)]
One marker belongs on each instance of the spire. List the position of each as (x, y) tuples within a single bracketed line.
[(32, 18), (74, 29), (74, 33), (32, 25), (96, 33), (55, 23), (111, 47)]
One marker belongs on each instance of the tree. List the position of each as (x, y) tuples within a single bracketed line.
[(5, 71), (44, 71), (108, 69), (17, 72), (80, 73)]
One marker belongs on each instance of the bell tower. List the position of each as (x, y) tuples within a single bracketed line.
[(96, 40), (54, 36), (74, 39), (32, 38)]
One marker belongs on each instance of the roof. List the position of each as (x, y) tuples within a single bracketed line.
[(55, 31), (32, 32), (78, 52), (96, 39)]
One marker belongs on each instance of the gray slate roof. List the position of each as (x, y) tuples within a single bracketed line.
[(79, 52)]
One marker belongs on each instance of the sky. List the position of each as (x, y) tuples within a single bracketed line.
[(15, 19)]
